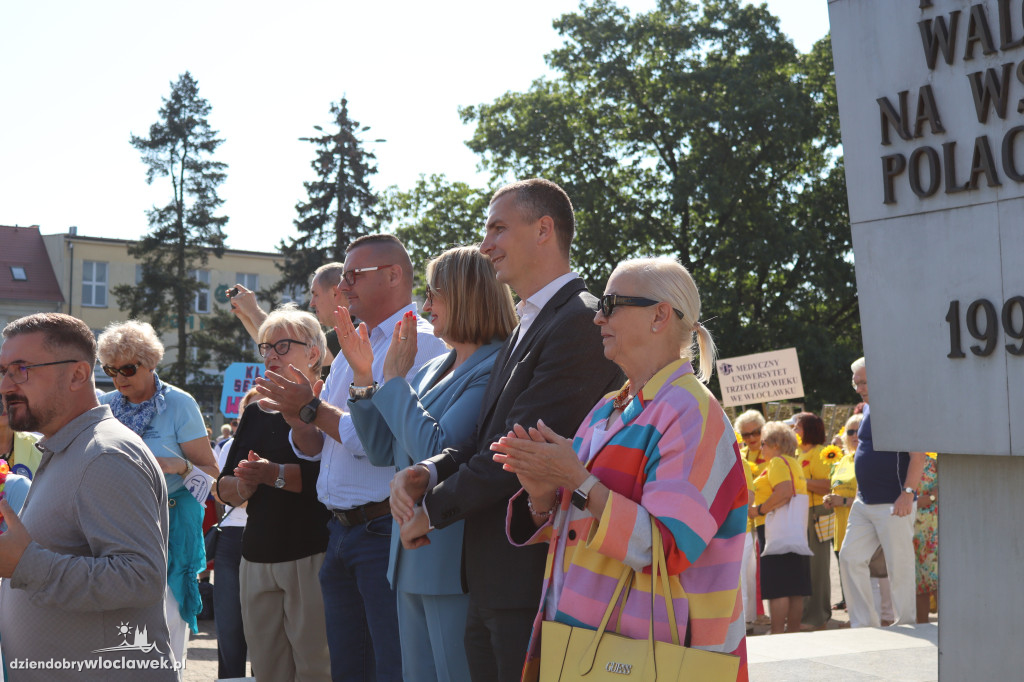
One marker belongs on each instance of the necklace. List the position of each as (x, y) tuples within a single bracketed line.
[(624, 398)]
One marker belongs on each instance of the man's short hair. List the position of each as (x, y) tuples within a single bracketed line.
[(536, 198), (857, 365), (389, 243), (328, 274), (60, 333)]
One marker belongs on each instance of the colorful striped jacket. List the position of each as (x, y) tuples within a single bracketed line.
[(672, 454)]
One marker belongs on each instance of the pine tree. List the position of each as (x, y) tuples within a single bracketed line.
[(340, 205), (185, 231)]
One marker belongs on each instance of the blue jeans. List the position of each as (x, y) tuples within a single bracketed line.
[(227, 609), (359, 604)]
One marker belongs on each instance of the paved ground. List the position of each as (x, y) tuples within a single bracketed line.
[(849, 655)]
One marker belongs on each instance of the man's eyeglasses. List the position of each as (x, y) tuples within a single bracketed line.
[(123, 370), (280, 347), (608, 302), (350, 275), (751, 434), (18, 372)]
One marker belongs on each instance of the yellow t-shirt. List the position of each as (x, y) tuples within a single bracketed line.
[(748, 472), (754, 458), (814, 467), (844, 483), (774, 474)]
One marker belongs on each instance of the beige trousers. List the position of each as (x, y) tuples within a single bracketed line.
[(283, 617)]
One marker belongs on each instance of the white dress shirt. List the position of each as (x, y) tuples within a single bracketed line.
[(347, 478), (529, 308)]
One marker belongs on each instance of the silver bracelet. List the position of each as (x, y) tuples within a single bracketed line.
[(239, 491), (549, 512)]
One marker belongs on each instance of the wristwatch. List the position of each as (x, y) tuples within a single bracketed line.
[(581, 495), (361, 392), (308, 412), (911, 491), (279, 483)]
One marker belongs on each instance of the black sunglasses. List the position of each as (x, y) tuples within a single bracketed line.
[(124, 370), (608, 302), (851, 432), (280, 347)]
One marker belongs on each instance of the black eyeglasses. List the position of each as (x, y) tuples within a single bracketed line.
[(123, 370), (350, 275), (280, 347), (18, 372), (750, 434), (608, 302), (851, 432)]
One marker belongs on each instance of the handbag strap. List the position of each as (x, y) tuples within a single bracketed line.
[(223, 516), (659, 566), (789, 470)]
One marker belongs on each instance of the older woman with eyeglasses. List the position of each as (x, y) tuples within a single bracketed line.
[(662, 448), (285, 534), (170, 423)]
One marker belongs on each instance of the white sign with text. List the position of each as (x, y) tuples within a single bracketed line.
[(759, 378)]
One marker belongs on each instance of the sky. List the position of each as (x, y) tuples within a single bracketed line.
[(78, 79)]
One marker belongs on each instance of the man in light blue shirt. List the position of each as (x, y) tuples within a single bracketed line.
[(358, 600)]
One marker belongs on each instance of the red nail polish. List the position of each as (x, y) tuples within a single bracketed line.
[(409, 313)]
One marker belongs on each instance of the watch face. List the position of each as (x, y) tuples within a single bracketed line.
[(579, 500)]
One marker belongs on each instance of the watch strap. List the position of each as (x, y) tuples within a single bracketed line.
[(361, 392), (308, 412), (581, 495)]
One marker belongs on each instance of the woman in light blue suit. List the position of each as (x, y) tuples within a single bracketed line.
[(402, 423)]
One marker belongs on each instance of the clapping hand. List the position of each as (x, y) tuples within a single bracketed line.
[(355, 345), (543, 460)]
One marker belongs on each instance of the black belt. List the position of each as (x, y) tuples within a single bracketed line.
[(362, 514)]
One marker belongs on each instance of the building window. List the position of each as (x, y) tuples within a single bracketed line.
[(249, 280), (202, 302), (94, 283), (18, 273)]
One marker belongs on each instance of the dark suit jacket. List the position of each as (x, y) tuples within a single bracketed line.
[(557, 373)]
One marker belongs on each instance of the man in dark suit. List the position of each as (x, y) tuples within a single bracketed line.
[(552, 368)]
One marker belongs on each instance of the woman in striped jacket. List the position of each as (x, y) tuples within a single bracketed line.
[(662, 448)]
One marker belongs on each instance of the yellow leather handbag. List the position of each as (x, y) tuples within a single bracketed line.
[(571, 654)]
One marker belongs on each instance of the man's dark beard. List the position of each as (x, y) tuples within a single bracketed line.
[(23, 422)]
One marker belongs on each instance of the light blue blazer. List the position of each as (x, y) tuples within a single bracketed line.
[(405, 423)]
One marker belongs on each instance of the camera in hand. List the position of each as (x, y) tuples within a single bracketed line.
[(232, 292)]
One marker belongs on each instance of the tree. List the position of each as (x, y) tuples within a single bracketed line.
[(698, 131), (340, 205), (436, 215), (185, 231)]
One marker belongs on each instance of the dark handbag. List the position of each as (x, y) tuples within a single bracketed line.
[(213, 535)]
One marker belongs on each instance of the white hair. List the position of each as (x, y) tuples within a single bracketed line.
[(664, 279), (857, 365)]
